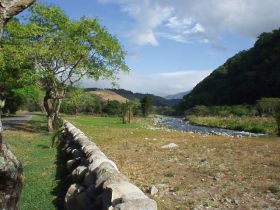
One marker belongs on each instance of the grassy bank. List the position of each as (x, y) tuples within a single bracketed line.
[(31, 144), (243, 123), (202, 172)]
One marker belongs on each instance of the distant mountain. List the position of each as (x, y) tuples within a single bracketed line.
[(157, 100), (177, 95), (244, 78)]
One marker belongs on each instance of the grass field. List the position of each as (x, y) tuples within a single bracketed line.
[(244, 123), (31, 144), (203, 172)]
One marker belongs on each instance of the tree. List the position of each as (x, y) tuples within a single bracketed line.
[(130, 108), (146, 105), (113, 108), (78, 101), (64, 51), (11, 180)]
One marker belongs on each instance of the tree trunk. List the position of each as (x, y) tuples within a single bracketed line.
[(50, 123), (49, 111), (10, 8), (52, 107), (11, 179), (11, 175), (57, 109)]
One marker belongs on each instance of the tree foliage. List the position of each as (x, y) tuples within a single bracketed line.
[(79, 101), (146, 105), (270, 106), (63, 51), (113, 108)]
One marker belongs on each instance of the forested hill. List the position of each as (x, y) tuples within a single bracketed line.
[(244, 78), (157, 100)]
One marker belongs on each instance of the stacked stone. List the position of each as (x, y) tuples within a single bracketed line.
[(96, 182)]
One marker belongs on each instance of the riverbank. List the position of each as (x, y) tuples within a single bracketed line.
[(251, 124)]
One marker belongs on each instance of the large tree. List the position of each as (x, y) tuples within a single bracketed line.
[(64, 51), (10, 171)]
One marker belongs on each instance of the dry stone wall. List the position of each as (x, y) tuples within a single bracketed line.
[(95, 181)]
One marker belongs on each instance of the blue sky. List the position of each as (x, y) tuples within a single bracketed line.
[(174, 44)]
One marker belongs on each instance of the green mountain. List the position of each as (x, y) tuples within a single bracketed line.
[(244, 78)]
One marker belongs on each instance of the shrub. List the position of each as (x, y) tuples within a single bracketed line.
[(113, 108), (267, 105), (199, 110)]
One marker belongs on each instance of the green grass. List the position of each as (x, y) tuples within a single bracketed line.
[(31, 145), (244, 123), (102, 122)]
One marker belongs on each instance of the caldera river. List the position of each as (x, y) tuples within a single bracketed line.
[(176, 123)]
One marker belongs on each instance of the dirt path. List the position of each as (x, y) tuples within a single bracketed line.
[(13, 122)]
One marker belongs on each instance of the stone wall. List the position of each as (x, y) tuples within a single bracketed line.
[(95, 181)]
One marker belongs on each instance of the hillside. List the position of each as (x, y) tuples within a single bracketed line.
[(157, 100), (244, 78), (107, 95)]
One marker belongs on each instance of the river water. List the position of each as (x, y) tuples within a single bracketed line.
[(179, 124)]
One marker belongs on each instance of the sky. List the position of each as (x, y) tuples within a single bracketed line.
[(172, 45)]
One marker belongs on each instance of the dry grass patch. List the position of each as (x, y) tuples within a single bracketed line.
[(108, 95), (203, 172)]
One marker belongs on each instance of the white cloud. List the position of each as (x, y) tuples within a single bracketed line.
[(189, 20), (158, 84)]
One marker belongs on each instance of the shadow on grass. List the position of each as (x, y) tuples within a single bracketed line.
[(61, 173), (37, 124), (43, 146)]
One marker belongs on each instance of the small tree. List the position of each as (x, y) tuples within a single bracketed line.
[(64, 51), (113, 108), (146, 105), (277, 118), (271, 106)]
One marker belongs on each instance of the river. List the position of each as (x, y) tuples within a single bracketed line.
[(179, 124)]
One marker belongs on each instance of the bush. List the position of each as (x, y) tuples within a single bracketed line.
[(267, 105), (113, 108), (78, 101), (277, 118), (199, 110), (223, 111), (240, 110)]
